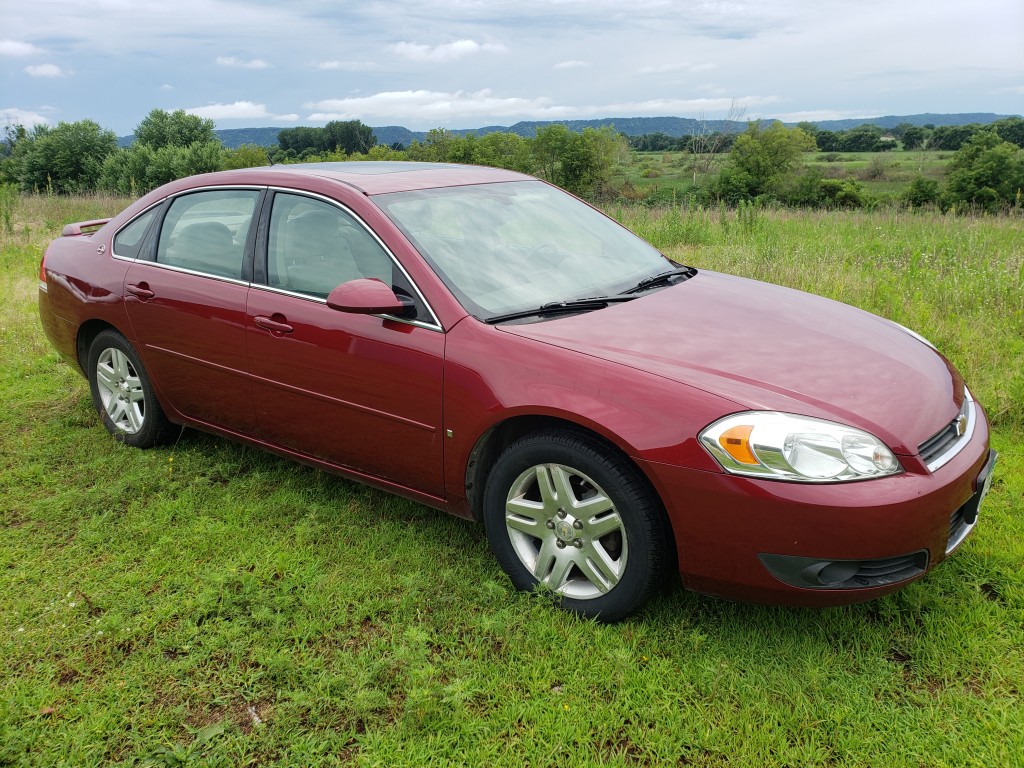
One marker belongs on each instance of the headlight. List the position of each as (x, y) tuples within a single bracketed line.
[(782, 446)]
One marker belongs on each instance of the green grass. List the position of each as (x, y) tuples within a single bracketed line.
[(209, 604), (668, 176)]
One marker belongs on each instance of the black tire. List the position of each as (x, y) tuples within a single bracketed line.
[(123, 395), (605, 552)]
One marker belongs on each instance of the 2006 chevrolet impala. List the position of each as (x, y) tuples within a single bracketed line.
[(482, 342)]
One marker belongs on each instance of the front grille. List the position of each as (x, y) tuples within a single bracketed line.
[(947, 442)]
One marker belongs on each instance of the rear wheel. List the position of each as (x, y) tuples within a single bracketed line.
[(564, 511), (123, 395)]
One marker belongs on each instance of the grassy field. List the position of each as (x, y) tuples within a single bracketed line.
[(668, 176), (208, 604)]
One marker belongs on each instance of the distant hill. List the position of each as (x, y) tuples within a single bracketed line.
[(233, 138)]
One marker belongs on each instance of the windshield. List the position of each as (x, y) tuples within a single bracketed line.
[(512, 246)]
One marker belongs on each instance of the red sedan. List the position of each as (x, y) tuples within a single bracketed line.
[(484, 343)]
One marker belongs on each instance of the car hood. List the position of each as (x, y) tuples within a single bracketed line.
[(766, 347)]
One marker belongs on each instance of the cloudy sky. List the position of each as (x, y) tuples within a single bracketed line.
[(470, 63)]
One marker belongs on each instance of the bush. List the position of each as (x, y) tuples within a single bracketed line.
[(987, 173), (922, 192)]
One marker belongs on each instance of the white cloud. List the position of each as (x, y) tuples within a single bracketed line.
[(18, 48), (668, 69), (232, 61), (166, 87), (571, 64), (15, 116), (346, 66), (239, 110), (445, 51), (44, 70), (817, 115), (430, 106), (657, 107)]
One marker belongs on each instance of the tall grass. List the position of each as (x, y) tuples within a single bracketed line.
[(207, 604)]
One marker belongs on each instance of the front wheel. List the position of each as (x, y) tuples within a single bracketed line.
[(564, 511), (123, 395)]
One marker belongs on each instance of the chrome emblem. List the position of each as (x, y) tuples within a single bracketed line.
[(960, 425), (564, 530), (101, 249)]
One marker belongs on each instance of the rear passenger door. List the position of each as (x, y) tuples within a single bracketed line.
[(358, 391), (186, 296)]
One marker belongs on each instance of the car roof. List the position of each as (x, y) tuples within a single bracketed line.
[(380, 177)]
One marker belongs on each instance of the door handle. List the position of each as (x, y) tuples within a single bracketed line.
[(141, 291), (274, 326)]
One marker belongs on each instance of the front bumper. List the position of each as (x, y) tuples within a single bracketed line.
[(790, 543)]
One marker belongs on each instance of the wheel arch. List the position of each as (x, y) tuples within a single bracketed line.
[(498, 437), (87, 333)]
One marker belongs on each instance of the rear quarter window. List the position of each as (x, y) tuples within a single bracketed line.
[(128, 241)]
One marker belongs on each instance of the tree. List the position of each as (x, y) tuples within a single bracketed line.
[(761, 160), (439, 146), (548, 147), (914, 137), (126, 172), (350, 136), (505, 150), (707, 145), (11, 148), (952, 137), (1010, 129), (986, 172), (174, 129), (922, 192), (298, 140), (827, 141), (578, 162), (863, 138), (245, 156), (66, 159)]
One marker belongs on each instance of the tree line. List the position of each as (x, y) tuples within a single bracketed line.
[(862, 138), (762, 163), (83, 157)]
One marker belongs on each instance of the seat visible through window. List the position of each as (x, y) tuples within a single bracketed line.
[(206, 247)]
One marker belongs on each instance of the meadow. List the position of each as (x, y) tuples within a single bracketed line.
[(209, 604), (668, 177)]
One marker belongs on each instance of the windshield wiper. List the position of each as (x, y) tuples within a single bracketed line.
[(559, 307), (682, 273)]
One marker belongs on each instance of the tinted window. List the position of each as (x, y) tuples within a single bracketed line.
[(128, 241), (206, 231), (314, 247)]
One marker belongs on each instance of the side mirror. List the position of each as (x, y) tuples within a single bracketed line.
[(367, 296)]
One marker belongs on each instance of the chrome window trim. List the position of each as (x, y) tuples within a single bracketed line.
[(961, 443), (127, 224), (434, 326), (187, 271), (162, 200)]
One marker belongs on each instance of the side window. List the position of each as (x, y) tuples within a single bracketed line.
[(128, 241), (206, 231), (314, 247)]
